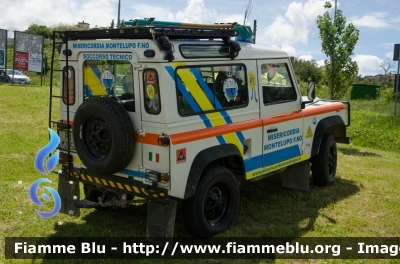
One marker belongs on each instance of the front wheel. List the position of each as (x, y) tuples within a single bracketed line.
[(214, 206), (325, 162)]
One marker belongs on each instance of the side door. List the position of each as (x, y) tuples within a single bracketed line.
[(115, 75), (281, 114)]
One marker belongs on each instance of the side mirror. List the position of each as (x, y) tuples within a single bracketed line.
[(311, 91), (310, 95)]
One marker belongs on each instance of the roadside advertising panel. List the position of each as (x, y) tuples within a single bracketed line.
[(3, 48), (32, 48), (21, 60)]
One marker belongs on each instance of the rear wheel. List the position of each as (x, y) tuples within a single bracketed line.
[(214, 206), (325, 162)]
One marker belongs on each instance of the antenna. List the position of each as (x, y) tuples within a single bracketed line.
[(249, 7)]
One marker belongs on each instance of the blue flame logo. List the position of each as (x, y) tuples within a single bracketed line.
[(50, 164), (46, 150), (35, 198)]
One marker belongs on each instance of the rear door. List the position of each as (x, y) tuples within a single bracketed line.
[(115, 74)]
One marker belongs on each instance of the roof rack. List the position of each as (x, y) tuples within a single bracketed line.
[(151, 33), (151, 29), (163, 31)]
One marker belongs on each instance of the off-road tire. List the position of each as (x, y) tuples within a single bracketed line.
[(214, 206), (103, 135), (323, 165)]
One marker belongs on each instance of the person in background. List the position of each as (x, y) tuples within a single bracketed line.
[(272, 76)]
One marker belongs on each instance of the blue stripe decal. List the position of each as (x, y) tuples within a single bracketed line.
[(281, 155), (96, 71), (87, 90), (253, 163), (210, 95), (192, 102), (134, 173), (272, 158)]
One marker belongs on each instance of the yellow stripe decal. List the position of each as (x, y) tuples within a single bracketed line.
[(161, 194), (216, 118), (104, 182), (144, 191), (128, 188), (83, 177), (136, 189), (90, 178), (120, 186), (97, 180), (112, 184), (93, 82)]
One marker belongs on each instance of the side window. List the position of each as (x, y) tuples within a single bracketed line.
[(211, 88), (69, 85), (152, 102), (110, 77), (276, 83)]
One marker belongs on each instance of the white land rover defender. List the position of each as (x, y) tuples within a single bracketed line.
[(173, 112)]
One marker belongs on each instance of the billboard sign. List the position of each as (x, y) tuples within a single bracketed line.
[(35, 62), (3, 48), (32, 48), (21, 61), (2, 58)]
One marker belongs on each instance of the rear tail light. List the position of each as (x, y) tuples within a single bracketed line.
[(68, 85), (64, 158), (164, 140)]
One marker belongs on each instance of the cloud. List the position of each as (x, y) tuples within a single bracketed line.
[(306, 57), (295, 25), (195, 12), (290, 50), (389, 55), (367, 64), (47, 12), (374, 20), (320, 63)]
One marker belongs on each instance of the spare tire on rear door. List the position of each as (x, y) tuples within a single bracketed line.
[(103, 135)]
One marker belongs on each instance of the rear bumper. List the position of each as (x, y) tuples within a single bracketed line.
[(118, 184)]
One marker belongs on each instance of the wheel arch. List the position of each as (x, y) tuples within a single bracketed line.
[(333, 125), (217, 154)]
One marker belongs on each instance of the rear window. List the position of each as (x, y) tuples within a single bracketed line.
[(204, 51), (110, 77)]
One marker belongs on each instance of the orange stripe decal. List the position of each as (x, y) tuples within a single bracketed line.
[(150, 139), (323, 109), (214, 131), (282, 118)]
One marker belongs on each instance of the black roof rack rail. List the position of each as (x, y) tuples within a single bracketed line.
[(150, 33)]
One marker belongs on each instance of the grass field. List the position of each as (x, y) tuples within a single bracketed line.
[(364, 201)]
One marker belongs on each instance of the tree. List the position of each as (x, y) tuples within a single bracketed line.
[(307, 71), (112, 24), (338, 42), (39, 30)]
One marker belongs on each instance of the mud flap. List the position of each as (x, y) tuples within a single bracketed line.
[(297, 176), (69, 193), (160, 221)]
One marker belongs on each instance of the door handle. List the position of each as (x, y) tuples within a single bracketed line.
[(272, 130)]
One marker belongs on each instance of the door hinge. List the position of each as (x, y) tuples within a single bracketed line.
[(140, 132), (140, 67)]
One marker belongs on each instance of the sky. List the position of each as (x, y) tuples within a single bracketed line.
[(285, 24)]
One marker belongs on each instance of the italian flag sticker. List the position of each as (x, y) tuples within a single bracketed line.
[(154, 157)]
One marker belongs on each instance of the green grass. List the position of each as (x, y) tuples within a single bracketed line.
[(363, 202), (374, 124)]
